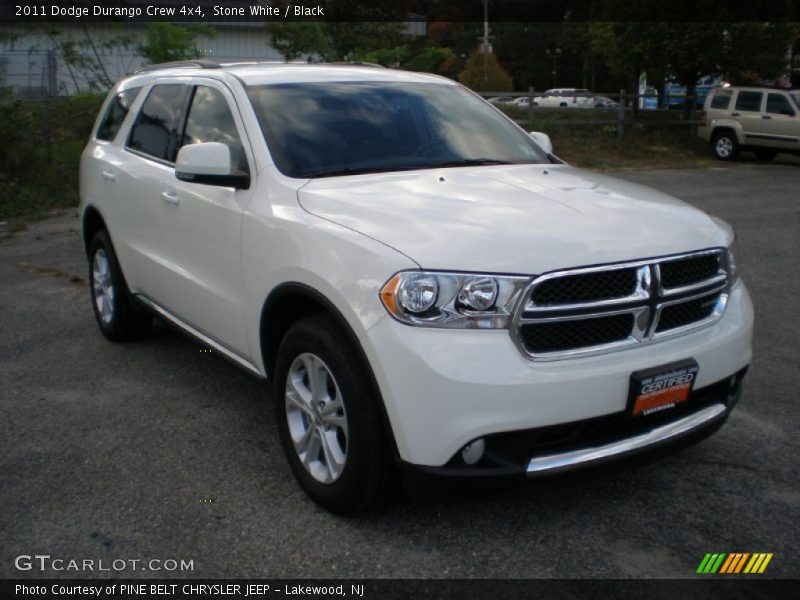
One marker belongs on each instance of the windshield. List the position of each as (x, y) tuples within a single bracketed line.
[(346, 128)]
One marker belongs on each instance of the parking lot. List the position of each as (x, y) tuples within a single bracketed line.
[(158, 450)]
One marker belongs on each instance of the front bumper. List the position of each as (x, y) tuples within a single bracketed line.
[(445, 388), (664, 434)]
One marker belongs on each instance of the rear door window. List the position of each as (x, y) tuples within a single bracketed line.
[(210, 120), (749, 101), (156, 129), (721, 99), (778, 104), (116, 112)]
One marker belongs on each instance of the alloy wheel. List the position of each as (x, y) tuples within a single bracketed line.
[(103, 286), (724, 147), (316, 417)]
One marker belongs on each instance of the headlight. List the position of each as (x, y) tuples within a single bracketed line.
[(454, 300), (417, 293), (730, 259), (478, 293)]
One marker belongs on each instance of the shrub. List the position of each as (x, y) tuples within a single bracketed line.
[(491, 78), (40, 154)]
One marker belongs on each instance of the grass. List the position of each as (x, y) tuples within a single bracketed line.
[(642, 147), (645, 145)]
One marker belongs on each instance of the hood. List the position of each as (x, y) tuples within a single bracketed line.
[(524, 219)]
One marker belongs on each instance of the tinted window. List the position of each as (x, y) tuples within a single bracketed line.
[(750, 101), (323, 129), (210, 120), (778, 104), (721, 99), (155, 131), (116, 112)]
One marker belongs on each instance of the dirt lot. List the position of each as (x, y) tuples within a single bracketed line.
[(156, 450)]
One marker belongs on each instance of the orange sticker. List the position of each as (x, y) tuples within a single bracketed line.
[(647, 403)]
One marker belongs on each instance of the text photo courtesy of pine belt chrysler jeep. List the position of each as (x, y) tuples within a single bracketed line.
[(765, 121), (431, 293)]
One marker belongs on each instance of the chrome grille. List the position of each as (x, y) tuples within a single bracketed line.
[(585, 287), (686, 271), (550, 336), (684, 313), (589, 310)]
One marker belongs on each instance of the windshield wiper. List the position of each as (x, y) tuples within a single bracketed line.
[(468, 162), (347, 171)]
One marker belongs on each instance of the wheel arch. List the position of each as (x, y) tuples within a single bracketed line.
[(728, 126), (292, 301), (91, 223)]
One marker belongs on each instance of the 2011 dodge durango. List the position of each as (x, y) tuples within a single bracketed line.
[(428, 289)]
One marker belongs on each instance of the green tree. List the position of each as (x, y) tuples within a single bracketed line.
[(93, 60), (483, 72), (433, 59), (293, 39), (164, 42), (688, 50), (388, 57), (522, 47), (350, 27), (332, 41)]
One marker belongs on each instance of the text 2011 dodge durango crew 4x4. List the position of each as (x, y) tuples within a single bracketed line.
[(428, 289)]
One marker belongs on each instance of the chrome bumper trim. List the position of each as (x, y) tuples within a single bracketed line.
[(575, 459)]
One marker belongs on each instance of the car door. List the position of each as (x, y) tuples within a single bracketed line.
[(747, 111), (147, 158), (106, 179), (780, 122), (201, 224)]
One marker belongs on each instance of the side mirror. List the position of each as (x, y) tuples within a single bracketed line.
[(209, 163), (543, 140)]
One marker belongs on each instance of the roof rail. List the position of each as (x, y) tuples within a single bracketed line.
[(354, 63), (180, 64)]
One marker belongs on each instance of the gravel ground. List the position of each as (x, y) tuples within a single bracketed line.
[(156, 450)]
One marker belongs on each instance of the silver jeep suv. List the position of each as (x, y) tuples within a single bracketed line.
[(763, 120)]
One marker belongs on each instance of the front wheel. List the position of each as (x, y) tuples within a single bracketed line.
[(725, 145), (328, 416)]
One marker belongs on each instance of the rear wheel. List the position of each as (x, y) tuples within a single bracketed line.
[(113, 305), (329, 420), (725, 145)]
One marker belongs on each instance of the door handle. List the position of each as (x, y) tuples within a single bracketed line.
[(765, 117), (170, 198), (108, 175), (735, 115)]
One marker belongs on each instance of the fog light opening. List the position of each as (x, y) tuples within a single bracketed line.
[(473, 452)]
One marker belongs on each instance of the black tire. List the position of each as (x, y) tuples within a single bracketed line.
[(125, 321), (369, 478), (765, 154), (724, 145)]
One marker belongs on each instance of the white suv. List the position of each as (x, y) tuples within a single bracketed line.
[(430, 292)]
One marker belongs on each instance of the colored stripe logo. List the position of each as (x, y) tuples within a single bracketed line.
[(734, 563)]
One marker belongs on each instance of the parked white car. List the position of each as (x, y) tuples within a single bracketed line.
[(502, 100), (429, 291)]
